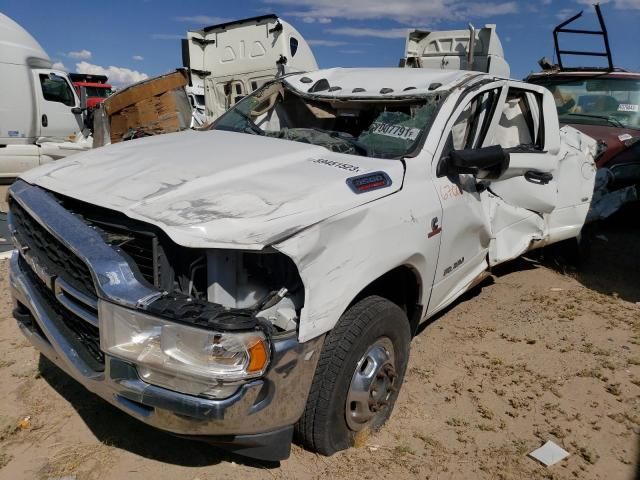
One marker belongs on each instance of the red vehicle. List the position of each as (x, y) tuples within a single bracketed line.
[(94, 88), (602, 102)]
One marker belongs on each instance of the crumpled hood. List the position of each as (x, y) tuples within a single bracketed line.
[(617, 139), (215, 189)]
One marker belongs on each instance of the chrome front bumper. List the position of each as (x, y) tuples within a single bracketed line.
[(255, 421)]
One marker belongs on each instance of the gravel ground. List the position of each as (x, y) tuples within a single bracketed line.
[(533, 354)]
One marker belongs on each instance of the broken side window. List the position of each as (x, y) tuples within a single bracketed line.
[(520, 122), (470, 128)]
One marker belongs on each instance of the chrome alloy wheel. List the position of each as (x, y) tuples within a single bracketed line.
[(372, 384)]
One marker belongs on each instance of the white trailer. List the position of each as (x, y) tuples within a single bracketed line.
[(235, 58), (40, 114)]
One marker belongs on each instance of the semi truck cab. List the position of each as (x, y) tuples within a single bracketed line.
[(93, 88), (40, 115), (233, 59)]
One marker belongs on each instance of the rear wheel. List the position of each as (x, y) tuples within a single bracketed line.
[(358, 376)]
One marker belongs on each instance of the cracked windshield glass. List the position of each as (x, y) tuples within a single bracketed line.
[(381, 128)]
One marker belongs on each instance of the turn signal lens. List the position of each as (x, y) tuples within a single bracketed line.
[(258, 356)]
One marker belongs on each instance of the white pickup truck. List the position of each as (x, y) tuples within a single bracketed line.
[(267, 275)]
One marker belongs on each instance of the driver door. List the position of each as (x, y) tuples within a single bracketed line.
[(486, 222), (464, 229), (518, 203), (55, 99)]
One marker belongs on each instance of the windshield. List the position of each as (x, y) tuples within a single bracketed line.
[(98, 92), (383, 128), (596, 101)]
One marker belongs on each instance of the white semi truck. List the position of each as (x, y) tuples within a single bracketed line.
[(232, 59), (473, 49), (40, 114)]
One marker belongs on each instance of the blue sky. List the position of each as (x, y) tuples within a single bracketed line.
[(129, 39)]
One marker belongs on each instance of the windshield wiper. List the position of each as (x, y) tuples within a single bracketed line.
[(613, 121)]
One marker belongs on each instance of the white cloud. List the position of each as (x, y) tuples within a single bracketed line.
[(202, 19), (326, 43), (80, 54), (617, 4), (410, 12), (138, 57), (483, 10), (370, 32), (166, 36), (59, 66), (627, 4), (118, 76), (565, 13), (324, 20)]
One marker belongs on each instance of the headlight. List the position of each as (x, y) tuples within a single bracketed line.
[(179, 357)]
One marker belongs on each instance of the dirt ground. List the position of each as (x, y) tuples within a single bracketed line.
[(535, 353), (3, 193)]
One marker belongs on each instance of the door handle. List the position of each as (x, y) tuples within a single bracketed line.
[(539, 178), (45, 120)]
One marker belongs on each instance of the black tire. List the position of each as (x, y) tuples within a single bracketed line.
[(323, 427)]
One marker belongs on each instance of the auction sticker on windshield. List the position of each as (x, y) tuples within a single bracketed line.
[(627, 107), (396, 131)]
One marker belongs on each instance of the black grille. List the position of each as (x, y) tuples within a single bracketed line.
[(141, 247), (138, 242), (58, 261), (83, 336), (49, 252)]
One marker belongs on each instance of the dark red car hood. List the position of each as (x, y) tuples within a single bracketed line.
[(616, 138)]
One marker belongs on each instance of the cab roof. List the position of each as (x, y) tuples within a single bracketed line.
[(18, 46), (378, 82)]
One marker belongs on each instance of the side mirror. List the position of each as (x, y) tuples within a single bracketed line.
[(83, 98), (487, 163)]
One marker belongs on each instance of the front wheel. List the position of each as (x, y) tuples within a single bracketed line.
[(358, 376)]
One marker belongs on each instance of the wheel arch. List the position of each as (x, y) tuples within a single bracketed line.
[(402, 286)]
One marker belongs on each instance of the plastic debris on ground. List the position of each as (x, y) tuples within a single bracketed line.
[(24, 423), (549, 454)]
